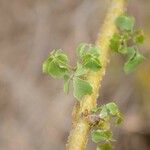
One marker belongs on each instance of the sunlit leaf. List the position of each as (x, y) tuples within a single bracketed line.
[(81, 88), (80, 70), (133, 62), (106, 146), (115, 42), (112, 108), (139, 37), (101, 135), (56, 64), (125, 22)]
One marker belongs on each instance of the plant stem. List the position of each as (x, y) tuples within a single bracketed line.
[(79, 134)]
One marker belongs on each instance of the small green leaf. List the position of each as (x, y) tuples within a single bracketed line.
[(130, 52), (96, 109), (125, 22), (81, 88), (104, 112), (59, 55), (46, 65), (139, 37), (92, 63), (80, 70), (66, 83), (115, 42), (101, 136), (112, 108), (106, 146), (56, 64), (53, 68), (119, 119), (94, 50), (81, 48), (133, 62), (89, 55)]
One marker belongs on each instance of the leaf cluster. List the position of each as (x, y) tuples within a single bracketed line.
[(126, 42), (57, 66), (102, 134)]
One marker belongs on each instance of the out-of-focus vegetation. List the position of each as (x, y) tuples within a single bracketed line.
[(34, 112)]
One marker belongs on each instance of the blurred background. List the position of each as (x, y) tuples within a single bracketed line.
[(35, 114)]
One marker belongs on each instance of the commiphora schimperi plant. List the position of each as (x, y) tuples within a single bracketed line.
[(126, 42), (118, 35), (57, 65)]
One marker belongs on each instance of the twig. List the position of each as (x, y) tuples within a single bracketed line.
[(79, 134)]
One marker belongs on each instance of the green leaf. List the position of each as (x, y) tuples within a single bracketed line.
[(81, 88), (80, 70), (101, 136), (130, 52), (56, 64), (133, 62), (119, 119), (139, 37), (89, 55), (59, 55), (125, 22), (85, 48), (94, 50), (112, 108), (106, 146), (92, 63), (46, 65), (66, 83), (54, 69), (96, 109), (104, 112), (81, 48), (115, 42)]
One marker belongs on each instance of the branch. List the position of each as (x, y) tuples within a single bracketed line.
[(79, 134)]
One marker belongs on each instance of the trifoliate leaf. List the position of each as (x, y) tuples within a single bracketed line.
[(81, 88), (125, 22), (101, 136), (112, 108), (85, 48), (133, 62), (89, 55), (56, 64), (80, 70), (115, 42), (106, 146), (139, 37)]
